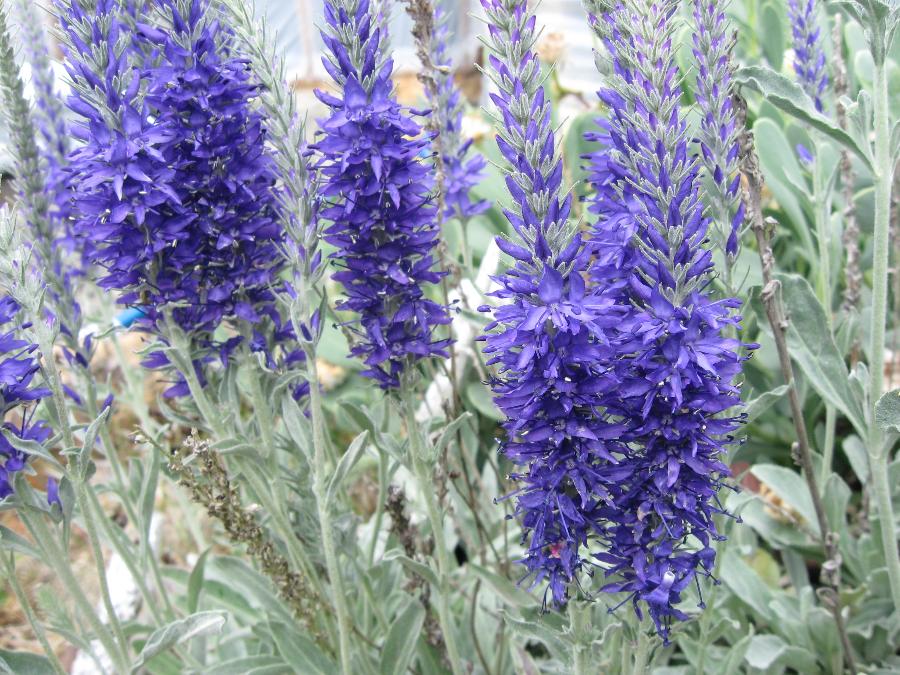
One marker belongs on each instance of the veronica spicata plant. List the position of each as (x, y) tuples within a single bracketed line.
[(548, 337), (678, 369), (376, 194), (172, 186)]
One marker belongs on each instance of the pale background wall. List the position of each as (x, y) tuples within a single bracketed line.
[(298, 38), (295, 23)]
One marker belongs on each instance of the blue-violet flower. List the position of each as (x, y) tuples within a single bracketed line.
[(549, 334), (718, 134), (809, 57), (172, 187), (18, 366), (376, 195), (677, 367)]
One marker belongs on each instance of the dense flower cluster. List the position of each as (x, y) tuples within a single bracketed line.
[(548, 337), (809, 58), (676, 366), (18, 366), (172, 189), (718, 137), (376, 194), (462, 173)]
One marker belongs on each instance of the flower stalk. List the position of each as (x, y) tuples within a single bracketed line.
[(424, 476), (323, 508), (48, 541), (9, 567), (580, 627), (878, 453)]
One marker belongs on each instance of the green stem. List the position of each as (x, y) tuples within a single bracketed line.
[(878, 459), (823, 235), (126, 556), (379, 506), (262, 411), (51, 374), (320, 488), (426, 488), (59, 561), (468, 263), (36, 625), (117, 646), (113, 456), (139, 581), (828, 446), (90, 527), (707, 616), (580, 625), (641, 653)]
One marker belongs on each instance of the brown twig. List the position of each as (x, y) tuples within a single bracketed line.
[(200, 469), (422, 14), (763, 229), (408, 536)]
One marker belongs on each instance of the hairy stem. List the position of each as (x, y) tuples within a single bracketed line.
[(878, 454), (823, 235), (435, 519), (90, 524), (321, 470), (36, 625), (58, 559), (580, 626), (641, 654)]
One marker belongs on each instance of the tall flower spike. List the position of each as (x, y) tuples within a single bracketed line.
[(548, 338), (18, 366), (678, 369), (35, 200), (297, 197), (461, 173), (49, 109), (376, 194), (809, 57), (172, 187), (718, 136)]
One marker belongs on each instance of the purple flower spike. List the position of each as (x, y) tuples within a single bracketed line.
[(462, 173), (376, 194), (809, 58), (718, 137), (676, 366), (550, 338), (18, 366), (172, 187)]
